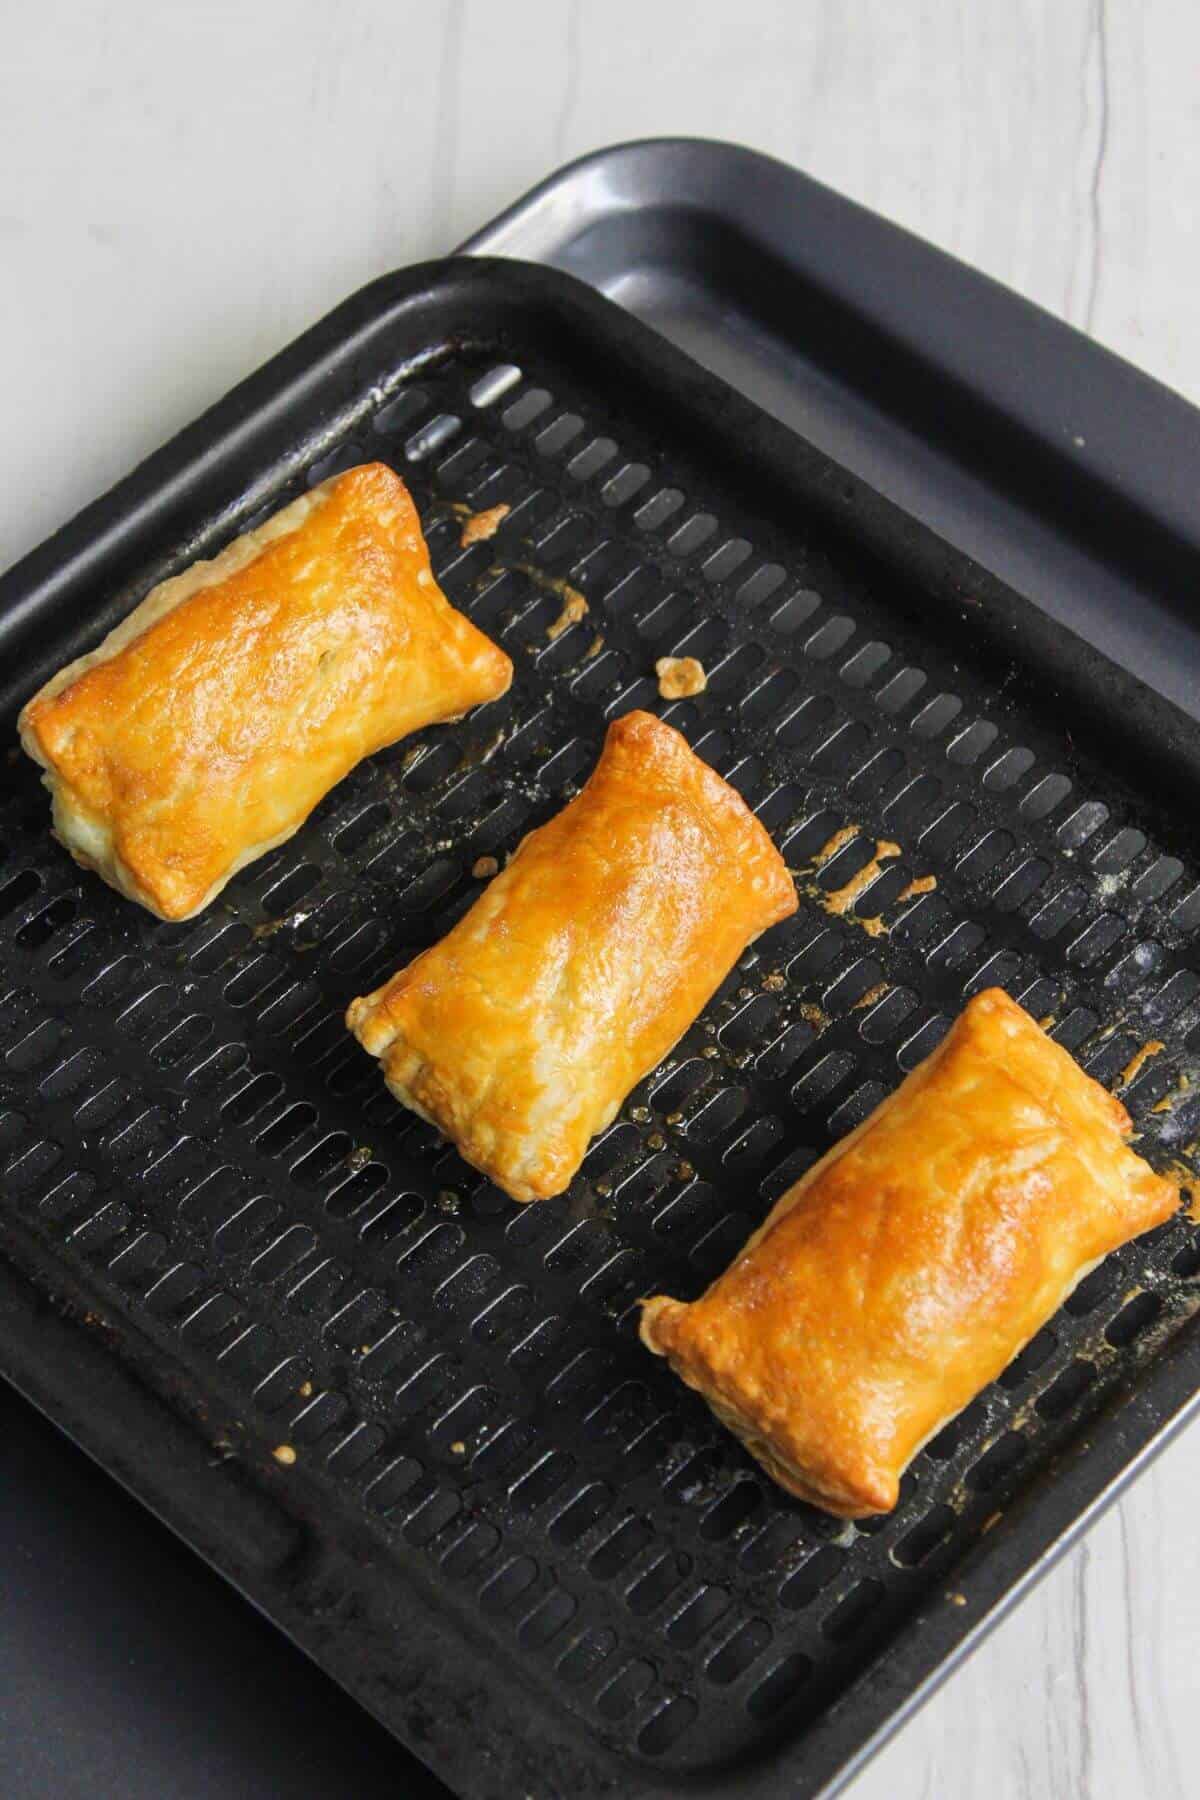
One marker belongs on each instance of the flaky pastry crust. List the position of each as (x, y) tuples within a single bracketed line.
[(210, 722), (908, 1267), (582, 964)]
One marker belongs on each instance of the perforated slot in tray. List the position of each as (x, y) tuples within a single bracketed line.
[(186, 1127)]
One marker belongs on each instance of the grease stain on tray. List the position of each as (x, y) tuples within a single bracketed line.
[(1138, 1061), (1170, 1100), (872, 995), (477, 527), (846, 834), (574, 604), (840, 900)]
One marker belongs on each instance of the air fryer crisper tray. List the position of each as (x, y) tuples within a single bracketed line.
[(508, 1530)]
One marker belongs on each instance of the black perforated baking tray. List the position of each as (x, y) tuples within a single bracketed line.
[(512, 1534)]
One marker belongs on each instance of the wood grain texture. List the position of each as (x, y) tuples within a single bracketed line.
[(184, 188)]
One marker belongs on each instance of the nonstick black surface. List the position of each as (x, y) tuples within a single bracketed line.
[(512, 1533)]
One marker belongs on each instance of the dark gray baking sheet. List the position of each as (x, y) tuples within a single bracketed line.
[(823, 312), (130, 1671)]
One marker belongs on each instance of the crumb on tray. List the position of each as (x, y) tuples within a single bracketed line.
[(679, 677)]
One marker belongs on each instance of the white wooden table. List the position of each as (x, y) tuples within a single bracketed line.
[(184, 187)]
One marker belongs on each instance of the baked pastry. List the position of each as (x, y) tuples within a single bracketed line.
[(909, 1266), (582, 964), (210, 722)]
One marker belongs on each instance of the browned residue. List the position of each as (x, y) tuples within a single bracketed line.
[(1167, 1103), (1138, 1061), (680, 677), (1185, 1178), (1102, 1036), (484, 867), (1046, 1021), (574, 608), (845, 835), (774, 982), (924, 884), (595, 647), (287, 923), (478, 526), (871, 996), (812, 1015), (574, 605), (840, 900)]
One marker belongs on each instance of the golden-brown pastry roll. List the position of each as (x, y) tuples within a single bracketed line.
[(582, 964), (212, 720), (913, 1262)]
